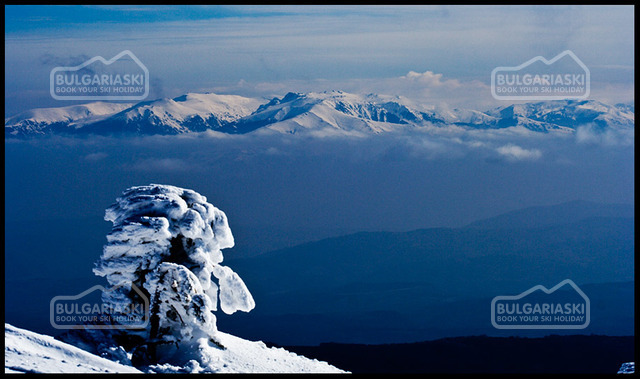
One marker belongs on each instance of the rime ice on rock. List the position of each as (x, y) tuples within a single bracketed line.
[(167, 241)]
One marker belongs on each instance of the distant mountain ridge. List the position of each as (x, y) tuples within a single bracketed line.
[(315, 113), (426, 283), (545, 216)]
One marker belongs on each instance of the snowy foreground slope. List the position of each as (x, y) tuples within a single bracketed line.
[(242, 356), (26, 351)]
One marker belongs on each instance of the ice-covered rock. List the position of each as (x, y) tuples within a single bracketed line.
[(167, 241)]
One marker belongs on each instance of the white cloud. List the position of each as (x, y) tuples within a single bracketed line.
[(591, 135), (517, 153), (426, 88), (431, 79)]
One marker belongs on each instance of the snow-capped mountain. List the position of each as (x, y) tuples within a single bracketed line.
[(192, 112), (562, 115), (29, 352), (315, 113), (335, 111), (60, 120)]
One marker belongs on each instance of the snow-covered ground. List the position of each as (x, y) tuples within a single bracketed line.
[(26, 351), (242, 356)]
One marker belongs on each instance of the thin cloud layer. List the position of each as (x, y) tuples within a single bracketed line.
[(517, 153), (369, 46)]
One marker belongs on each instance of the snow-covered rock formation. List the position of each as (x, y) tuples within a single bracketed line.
[(167, 242)]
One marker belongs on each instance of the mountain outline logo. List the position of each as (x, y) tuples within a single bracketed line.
[(54, 86), (540, 93), (101, 288), (583, 325)]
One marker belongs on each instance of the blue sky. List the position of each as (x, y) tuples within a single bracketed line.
[(38, 17), (270, 50)]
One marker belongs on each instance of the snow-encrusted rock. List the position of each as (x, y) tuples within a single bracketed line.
[(152, 223), (167, 241)]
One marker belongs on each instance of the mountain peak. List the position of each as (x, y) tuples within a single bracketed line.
[(331, 111)]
